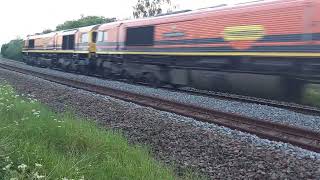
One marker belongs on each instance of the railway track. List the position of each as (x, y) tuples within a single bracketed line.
[(274, 131), (304, 109)]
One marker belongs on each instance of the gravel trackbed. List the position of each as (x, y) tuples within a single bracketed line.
[(217, 152)]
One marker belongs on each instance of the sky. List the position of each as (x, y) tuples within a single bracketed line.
[(19, 18)]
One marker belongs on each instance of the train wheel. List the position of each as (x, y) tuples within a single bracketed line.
[(66, 68), (51, 66), (106, 73), (152, 79), (175, 86), (83, 70)]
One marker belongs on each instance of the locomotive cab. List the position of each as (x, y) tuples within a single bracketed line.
[(29, 43), (86, 39)]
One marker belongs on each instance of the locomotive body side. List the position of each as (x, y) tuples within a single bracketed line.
[(315, 24), (256, 42), (40, 42), (280, 28)]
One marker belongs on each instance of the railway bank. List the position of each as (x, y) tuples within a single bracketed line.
[(39, 144), (177, 139)]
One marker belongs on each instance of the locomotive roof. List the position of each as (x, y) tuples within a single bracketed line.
[(88, 28), (194, 14), (201, 13), (37, 36), (173, 17), (64, 32)]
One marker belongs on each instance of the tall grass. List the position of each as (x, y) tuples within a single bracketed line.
[(312, 95), (36, 143)]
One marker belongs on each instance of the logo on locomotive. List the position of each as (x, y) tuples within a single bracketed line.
[(243, 37)]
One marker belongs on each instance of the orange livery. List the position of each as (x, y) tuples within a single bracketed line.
[(275, 37)]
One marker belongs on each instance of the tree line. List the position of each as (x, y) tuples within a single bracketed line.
[(143, 8)]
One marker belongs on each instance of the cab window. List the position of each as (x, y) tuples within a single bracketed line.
[(102, 36), (140, 36), (84, 38), (105, 36)]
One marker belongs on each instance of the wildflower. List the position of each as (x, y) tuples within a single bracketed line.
[(7, 167), (7, 159), (37, 176), (59, 126), (38, 165), (65, 178), (36, 113), (82, 178), (23, 167), (13, 178)]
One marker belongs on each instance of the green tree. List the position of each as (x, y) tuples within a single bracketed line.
[(84, 21), (149, 8), (13, 49), (46, 31), (4, 48)]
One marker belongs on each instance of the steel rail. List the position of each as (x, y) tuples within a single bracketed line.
[(304, 109)]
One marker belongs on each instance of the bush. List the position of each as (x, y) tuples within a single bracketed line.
[(13, 49)]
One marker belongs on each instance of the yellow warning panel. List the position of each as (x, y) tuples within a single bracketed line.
[(244, 33)]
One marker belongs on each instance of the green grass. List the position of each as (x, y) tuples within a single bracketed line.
[(312, 95), (37, 143)]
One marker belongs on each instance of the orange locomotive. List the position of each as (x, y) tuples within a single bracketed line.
[(279, 37)]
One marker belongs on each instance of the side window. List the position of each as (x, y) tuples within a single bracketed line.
[(68, 42), (105, 36), (140, 36), (31, 43), (100, 37), (84, 38)]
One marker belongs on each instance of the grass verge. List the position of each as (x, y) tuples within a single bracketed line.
[(36, 143), (312, 95)]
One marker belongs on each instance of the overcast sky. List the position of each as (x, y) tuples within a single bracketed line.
[(21, 17)]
